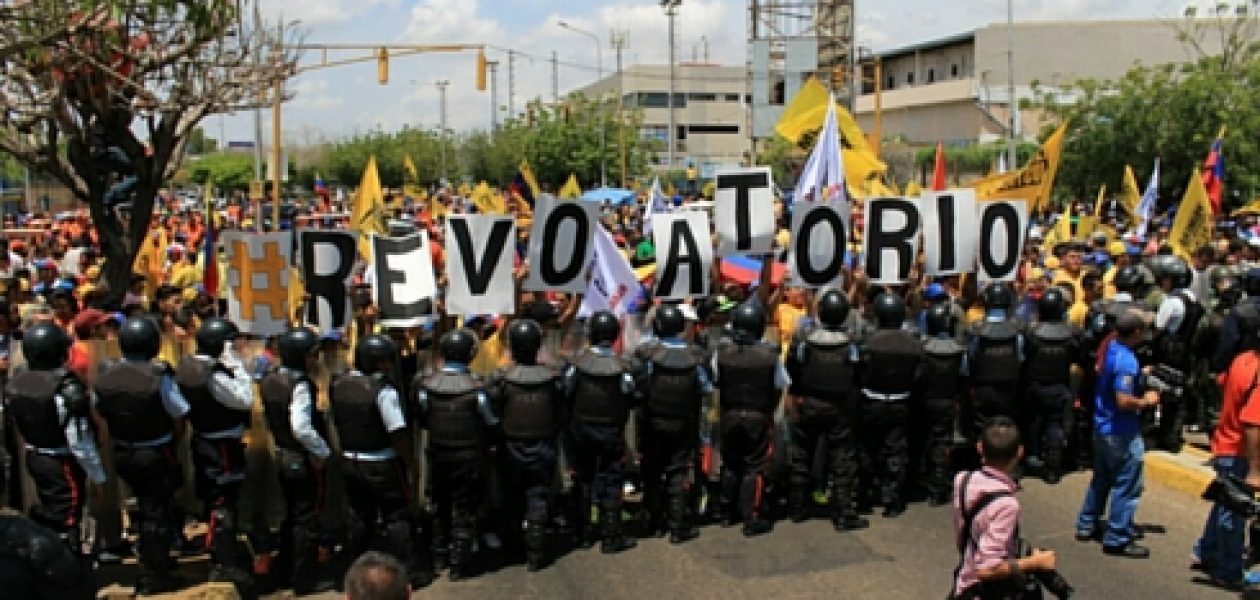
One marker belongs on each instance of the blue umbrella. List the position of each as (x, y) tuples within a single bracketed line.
[(618, 196)]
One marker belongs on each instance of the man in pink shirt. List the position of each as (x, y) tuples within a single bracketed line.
[(986, 520)]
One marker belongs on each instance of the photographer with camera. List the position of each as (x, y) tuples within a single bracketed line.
[(992, 564), (1235, 455)]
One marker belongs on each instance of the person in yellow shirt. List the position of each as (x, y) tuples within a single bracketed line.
[(184, 272), (789, 313), (1072, 271)]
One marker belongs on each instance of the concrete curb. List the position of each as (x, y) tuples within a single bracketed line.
[(1187, 472)]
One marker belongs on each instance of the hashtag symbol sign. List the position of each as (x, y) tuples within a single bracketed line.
[(273, 294)]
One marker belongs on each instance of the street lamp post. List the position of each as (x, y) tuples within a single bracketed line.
[(1012, 159), (671, 11), (441, 85), (599, 66)]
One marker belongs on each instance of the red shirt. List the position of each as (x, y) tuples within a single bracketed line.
[(1240, 405)]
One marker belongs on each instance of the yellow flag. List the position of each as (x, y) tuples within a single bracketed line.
[(1130, 193), (1251, 208), (913, 189), (1102, 195), (1034, 182), (487, 200), (464, 190), (411, 178), (368, 213), (436, 208), (1192, 228), (571, 190), (807, 111), (1060, 233)]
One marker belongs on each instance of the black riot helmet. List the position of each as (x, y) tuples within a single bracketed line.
[(214, 334), (668, 321), (372, 351), (46, 347), (940, 319), (748, 322), (1228, 292), (1128, 279), (524, 340), (602, 328), (890, 311), (140, 338), (295, 346), (1052, 305), (833, 309), (458, 346), (1175, 269), (1251, 282), (997, 295)]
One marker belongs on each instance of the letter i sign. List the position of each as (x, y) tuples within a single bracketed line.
[(249, 290)]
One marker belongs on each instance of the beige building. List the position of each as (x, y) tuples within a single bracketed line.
[(710, 112), (954, 89)]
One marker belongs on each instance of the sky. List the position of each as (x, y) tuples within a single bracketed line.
[(341, 101)]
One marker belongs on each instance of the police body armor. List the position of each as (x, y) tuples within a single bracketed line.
[(1172, 348), (352, 399), (1050, 354), (453, 419), (277, 395), (996, 359), (30, 401), (827, 372), (892, 361), (131, 401), (529, 411), (746, 376), (599, 397), (673, 394), (206, 414), (942, 363)]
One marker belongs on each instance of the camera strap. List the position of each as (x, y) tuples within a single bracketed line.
[(965, 541)]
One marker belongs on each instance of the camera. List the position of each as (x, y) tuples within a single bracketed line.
[(1051, 581), (1231, 492)]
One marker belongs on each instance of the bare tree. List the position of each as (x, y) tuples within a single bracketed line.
[(1227, 30), (102, 95)]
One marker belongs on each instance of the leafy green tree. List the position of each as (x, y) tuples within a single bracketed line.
[(228, 170)]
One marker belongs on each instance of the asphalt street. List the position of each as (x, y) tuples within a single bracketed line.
[(910, 556)]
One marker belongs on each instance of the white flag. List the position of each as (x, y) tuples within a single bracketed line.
[(613, 286), (823, 177), (1146, 207), (655, 204)]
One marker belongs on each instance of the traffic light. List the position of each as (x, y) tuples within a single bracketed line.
[(481, 70), (382, 66)]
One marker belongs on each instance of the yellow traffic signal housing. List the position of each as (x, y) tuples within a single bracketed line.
[(481, 70), (382, 66)]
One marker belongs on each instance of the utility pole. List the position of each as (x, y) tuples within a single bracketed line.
[(277, 93), (617, 38), (258, 157), (1012, 157), (511, 83), (671, 11), (441, 85), (493, 65), (555, 78)]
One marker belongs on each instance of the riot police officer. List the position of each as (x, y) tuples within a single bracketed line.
[(380, 464), (940, 386), (676, 393), (750, 378), (298, 429), (141, 402), (823, 365), (1240, 326), (1052, 348), (455, 409), (1175, 323), (996, 350), (529, 397), (890, 359), (220, 395), (601, 391), (1227, 293), (52, 410)]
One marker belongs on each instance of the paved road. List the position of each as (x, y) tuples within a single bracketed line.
[(907, 557)]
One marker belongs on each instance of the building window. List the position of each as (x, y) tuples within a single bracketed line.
[(654, 132), (910, 78), (731, 97), (682, 133), (702, 97), (653, 100), (892, 82), (713, 129), (953, 70), (680, 100), (931, 76)]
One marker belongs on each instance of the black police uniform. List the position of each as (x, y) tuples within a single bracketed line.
[(218, 454), (941, 384), (530, 409), (1174, 361), (1052, 349), (601, 393), (452, 406), (890, 366), (995, 365), (672, 405), (378, 485), (823, 367), (144, 453), (31, 404), (35, 566), (301, 482), (746, 382), (1237, 333)]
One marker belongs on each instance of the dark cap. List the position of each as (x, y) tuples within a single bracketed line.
[(1130, 321)]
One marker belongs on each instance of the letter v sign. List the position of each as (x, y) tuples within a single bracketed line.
[(477, 273)]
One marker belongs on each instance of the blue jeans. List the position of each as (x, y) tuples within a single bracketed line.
[(1117, 479), (1224, 535)]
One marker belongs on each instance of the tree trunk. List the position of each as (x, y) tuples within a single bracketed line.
[(121, 242)]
